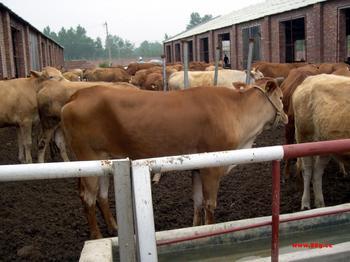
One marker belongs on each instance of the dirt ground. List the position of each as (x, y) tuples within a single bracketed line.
[(44, 220)]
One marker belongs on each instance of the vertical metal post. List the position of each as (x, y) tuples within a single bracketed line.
[(250, 58), (275, 209), (164, 73), (216, 70), (185, 59), (144, 219), (108, 45), (124, 207)]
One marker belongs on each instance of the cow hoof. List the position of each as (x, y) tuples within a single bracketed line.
[(305, 208)]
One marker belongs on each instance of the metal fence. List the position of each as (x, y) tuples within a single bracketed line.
[(139, 190)]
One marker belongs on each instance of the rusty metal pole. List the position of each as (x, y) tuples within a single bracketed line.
[(164, 73), (185, 61), (275, 209), (250, 58), (216, 70)]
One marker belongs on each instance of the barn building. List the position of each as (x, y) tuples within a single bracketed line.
[(23, 47), (283, 31)]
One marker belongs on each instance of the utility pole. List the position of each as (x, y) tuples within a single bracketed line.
[(108, 45)]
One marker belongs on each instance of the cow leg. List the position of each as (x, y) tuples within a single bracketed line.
[(197, 198), (342, 169), (88, 193), (43, 142), (289, 139), (156, 178), (210, 181), (320, 164), (60, 142), (26, 133), (20, 146), (307, 165), (104, 205)]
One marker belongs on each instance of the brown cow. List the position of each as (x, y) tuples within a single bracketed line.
[(51, 98), (329, 68), (275, 69), (289, 85), (101, 123), (19, 107), (71, 76), (321, 110), (342, 72), (107, 75), (134, 67)]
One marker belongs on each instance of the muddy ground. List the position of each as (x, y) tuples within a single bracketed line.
[(44, 220)]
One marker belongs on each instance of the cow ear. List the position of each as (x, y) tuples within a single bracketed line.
[(35, 73), (270, 86)]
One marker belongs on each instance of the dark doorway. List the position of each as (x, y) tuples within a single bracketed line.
[(177, 53), (344, 35), (295, 45), (251, 33), (43, 53), (225, 50), (50, 56), (190, 51), (15, 35), (204, 50), (347, 30), (168, 54)]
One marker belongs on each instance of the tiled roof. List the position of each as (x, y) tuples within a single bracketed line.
[(267, 8)]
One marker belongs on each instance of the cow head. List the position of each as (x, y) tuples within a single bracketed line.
[(256, 74), (269, 87), (48, 74)]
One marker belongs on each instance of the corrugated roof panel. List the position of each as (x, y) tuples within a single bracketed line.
[(253, 12)]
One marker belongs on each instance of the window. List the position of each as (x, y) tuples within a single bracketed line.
[(251, 33)]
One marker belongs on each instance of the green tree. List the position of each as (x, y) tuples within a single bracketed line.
[(196, 19), (47, 31), (149, 49), (77, 45)]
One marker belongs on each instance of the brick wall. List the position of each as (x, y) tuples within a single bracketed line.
[(13, 27), (3, 71), (324, 35)]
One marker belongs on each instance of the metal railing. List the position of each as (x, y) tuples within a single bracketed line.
[(139, 171)]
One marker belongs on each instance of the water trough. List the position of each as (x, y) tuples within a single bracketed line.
[(330, 232)]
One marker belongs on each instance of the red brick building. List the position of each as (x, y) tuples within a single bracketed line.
[(283, 31), (23, 47)]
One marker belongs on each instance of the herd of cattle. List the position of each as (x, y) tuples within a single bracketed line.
[(113, 114)]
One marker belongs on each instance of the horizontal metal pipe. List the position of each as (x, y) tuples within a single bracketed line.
[(235, 229), (215, 159), (316, 148), (55, 170)]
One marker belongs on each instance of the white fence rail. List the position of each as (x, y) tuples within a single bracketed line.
[(141, 191)]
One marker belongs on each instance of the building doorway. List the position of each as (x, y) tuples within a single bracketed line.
[(190, 51), (225, 49), (294, 40), (16, 37), (344, 35), (204, 50), (168, 54), (177, 53)]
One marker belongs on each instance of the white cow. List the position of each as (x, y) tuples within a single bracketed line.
[(321, 107), (206, 78)]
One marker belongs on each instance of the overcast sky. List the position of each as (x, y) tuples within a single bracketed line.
[(134, 20)]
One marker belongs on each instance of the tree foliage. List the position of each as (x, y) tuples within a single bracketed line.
[(196, 19), (77, 45)]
